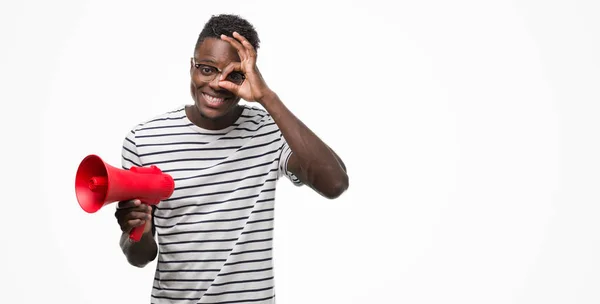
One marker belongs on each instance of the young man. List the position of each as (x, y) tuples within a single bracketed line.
[(215, 233)]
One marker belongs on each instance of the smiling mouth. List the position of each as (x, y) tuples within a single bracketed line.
[(212, 100)]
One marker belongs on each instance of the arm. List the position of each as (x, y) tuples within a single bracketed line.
[(133, 213), (312, 161), (141, 253)]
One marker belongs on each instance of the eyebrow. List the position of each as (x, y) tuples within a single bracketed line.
[(206, 61)]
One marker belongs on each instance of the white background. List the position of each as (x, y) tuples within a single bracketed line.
[(469, 128)]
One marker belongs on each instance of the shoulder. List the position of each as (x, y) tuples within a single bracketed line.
[(256, 115), (166, 119)]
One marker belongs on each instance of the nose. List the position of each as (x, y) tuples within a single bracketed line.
[(214, 84)]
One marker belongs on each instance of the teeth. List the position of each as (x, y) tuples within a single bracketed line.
[(212, 99)]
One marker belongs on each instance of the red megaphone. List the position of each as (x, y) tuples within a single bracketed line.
[(98, 184)]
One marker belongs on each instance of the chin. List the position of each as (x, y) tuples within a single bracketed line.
[(214, 113), (210, 113)]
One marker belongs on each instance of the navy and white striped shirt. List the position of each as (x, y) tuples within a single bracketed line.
[(215, 233)]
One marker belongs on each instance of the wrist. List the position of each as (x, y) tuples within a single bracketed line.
[(269, 101), (268, 97)]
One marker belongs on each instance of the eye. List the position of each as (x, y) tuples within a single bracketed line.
[(236, 77), (206, 69)]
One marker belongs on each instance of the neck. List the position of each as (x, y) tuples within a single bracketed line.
[(223, 122)]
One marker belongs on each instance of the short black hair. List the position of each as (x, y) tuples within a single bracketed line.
[(226, 24)]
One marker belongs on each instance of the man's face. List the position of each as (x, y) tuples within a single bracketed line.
[(211, 56)]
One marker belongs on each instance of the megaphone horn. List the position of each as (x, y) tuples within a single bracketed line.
[(98, 184)]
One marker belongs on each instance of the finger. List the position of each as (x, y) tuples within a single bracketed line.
[(247, 45), (237, 45), (132, 224), (229, 86), (140, 208), (129, 204), (123, 221), (233, 66), (125, 214), (137, 215)]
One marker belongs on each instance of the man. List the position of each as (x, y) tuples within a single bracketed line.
[(215, 232)]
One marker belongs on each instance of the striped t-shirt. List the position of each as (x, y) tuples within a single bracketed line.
[(215, 233)]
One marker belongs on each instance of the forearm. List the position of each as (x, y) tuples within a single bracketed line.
[(139, 253), (319, 166), (339, 160)]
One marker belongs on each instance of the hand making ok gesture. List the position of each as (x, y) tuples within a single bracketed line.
[(254, 87)]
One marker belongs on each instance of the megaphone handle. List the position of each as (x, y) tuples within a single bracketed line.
[(136, 233)]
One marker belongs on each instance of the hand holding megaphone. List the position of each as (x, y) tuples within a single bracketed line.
[(133, 213), (98, 184)]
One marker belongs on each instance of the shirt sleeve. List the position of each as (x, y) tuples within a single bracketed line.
[(129, 154), (284, 157)]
